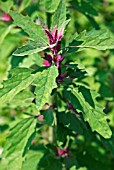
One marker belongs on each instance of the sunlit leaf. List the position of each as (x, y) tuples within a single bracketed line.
[(20, 79), (30, 48), (97, 39), (45, 83), (35, 31), (59, 16), (18, 143), (84, 100), (50, 5)]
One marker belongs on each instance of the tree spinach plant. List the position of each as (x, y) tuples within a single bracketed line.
[(63, 120)]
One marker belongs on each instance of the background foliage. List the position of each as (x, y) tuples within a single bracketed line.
[(59, 140)]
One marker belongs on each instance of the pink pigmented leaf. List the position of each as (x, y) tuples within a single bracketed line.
[(60, 34), (48, 60), (54, 33), (57, 35), (49, 36)]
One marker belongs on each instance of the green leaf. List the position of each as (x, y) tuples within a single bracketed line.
[(84, 100), (71, 121), (18, 143), (71, 162), (59, 16), (34, 59), (50, 5), (35, 31), (20, 79), (24, 4), (50, 162), (30, 48), (62, 133), (48, 116), (97, 39), (76, 70), (22, 99), (45, 83), (6, 6), (82, 168), (4, 31), (33, 157)]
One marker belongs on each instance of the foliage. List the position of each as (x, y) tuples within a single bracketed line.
[(56, 85)]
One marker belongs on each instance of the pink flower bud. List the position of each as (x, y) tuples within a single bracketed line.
[(62, 152), (41, 117), (46, 63), (54, 36), (6, 17)]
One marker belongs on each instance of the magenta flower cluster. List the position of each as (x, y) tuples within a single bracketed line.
[(54, 38)]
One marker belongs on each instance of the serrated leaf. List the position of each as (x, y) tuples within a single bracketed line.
[(50, 5), (20, 79), (35, 31), (30, 48), (45, 83), (59, 16), (97, 39), (18, 143), (84, 100), (6, 6)]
